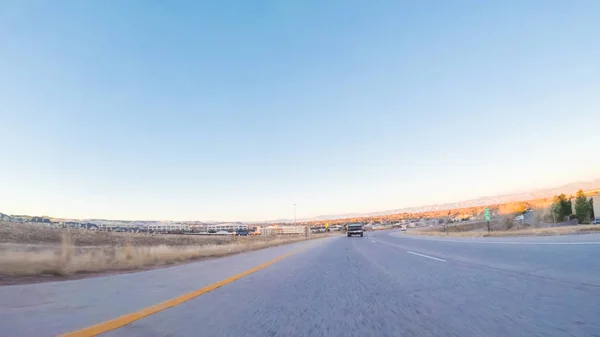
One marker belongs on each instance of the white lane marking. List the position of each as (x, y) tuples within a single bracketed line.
[(427, 256), (372, 240)]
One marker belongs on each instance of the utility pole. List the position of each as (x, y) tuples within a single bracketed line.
[(294, 214)]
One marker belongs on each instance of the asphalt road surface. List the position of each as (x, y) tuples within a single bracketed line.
[(384, 284)]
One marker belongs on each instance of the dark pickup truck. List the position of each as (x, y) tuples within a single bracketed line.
[(355, 229)]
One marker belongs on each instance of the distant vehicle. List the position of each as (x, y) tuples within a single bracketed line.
[(596, 222), (318, 229), (355, 229), (242, 233)]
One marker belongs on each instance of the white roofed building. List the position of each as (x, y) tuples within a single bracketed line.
[(228, 227)]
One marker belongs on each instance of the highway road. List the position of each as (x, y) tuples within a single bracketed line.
[(384, 284)]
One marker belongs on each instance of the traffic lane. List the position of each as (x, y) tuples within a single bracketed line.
[(49, 309), (495, 302), (570, 263), (328, 291), (357, 287)]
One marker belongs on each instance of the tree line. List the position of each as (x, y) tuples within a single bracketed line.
[(562, 208)]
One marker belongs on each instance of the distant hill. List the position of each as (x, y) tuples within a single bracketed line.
[(568, 189)]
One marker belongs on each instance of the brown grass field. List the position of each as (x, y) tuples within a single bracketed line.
[(43, 235), (33, 250)]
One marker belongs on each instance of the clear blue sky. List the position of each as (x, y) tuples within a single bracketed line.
[(236, 110)]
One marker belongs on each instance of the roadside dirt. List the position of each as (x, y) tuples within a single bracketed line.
[(550, 231)]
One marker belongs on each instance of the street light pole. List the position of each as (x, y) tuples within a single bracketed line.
[(294, 214)]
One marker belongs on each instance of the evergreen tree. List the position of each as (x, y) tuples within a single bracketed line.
[(561, 207), (582, 207)]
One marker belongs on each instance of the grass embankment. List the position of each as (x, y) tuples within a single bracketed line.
[(33, 250), (579, 229), (34, 234)]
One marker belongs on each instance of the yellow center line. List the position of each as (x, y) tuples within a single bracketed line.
[(118, 322)]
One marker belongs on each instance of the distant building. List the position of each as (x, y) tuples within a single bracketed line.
[(283, 230), (115, 226), (228, 227), (428, 222), (169, 227)]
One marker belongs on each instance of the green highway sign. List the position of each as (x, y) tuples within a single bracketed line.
[(487, 214)]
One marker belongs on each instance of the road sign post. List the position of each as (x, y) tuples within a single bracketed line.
[(487, 218)]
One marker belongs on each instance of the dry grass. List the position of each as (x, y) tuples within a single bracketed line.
[(43, 235), (523, 232), (128, 252)]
